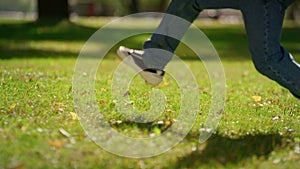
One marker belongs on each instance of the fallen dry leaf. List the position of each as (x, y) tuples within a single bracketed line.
[(164, 84), (12, 106), (17, 166), (103, 90), (256, 99), (74, 116), (168, 122), (56, 143), (102, 102), (64, 132), (169, 111)]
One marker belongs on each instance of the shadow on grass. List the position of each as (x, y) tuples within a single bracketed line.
[(59, 31), (220, 150), (34, 53), (19, 33)]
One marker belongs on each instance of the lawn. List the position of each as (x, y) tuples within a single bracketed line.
[(39, 127)]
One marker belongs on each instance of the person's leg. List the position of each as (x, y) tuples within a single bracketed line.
[(263, 22), (187, 10)]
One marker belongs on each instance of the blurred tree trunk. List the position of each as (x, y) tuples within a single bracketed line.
[(292, 12), (133, 6), (53, 10)]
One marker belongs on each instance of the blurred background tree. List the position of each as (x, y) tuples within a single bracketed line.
[(117, 7), (62, 9), (53, 10), (293, 12)]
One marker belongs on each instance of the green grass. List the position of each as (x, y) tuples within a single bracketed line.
[(36, 69)]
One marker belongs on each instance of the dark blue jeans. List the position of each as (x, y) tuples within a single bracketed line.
[(263, 22)]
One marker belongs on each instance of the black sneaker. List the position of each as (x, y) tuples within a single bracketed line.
[(134, 58)]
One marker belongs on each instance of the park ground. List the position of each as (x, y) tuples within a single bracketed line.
[(39, 127)]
